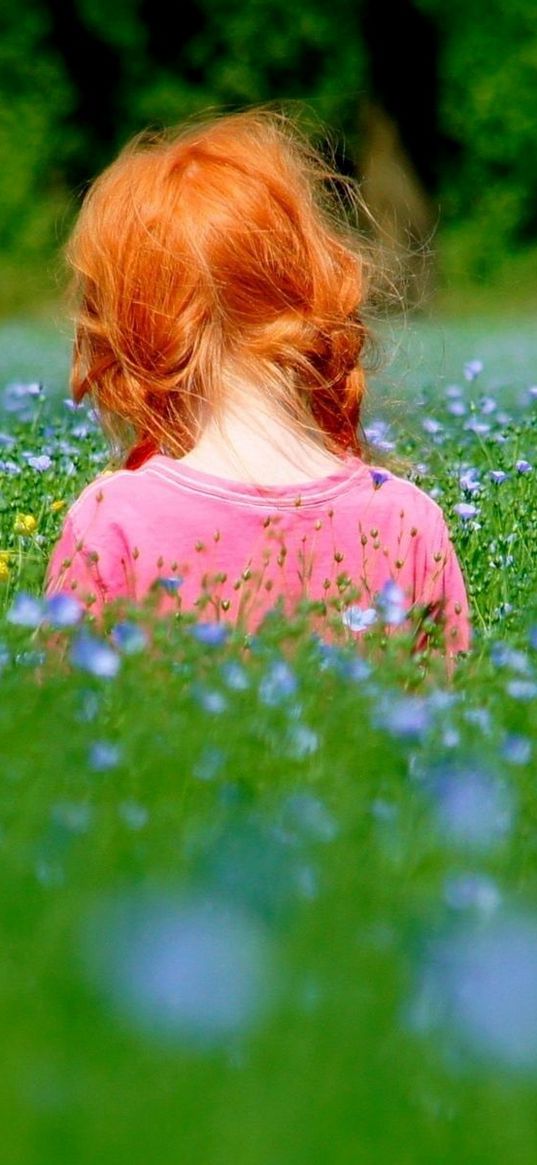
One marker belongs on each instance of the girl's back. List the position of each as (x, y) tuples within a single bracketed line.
[(230, 549)]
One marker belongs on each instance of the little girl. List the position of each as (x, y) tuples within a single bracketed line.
[(219, 337)]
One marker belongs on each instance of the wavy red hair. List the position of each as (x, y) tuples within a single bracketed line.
[(216, 253)]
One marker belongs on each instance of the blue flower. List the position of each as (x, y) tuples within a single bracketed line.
[(196, 971), (308, 815), (26, 611), (516, 750), (479, 982), (210, 634), (498, 476), (379, 476), (19, 398), (210, 763), (278, 684), (104, 755), (133, 815), (430, 425), (357, 619), (10, 467), (405, 717), (129, 638), (63, 611), (170, 585), (473, 808), (235, 676), (390, 603), (472, 369), (40, 463), (472, 892), (465, 510), (209, 699), (378, 434), (94, 656), (469, 481), (523, 466), (457, 408)]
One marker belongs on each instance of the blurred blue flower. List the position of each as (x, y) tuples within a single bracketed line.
[(73, 816), (19, 399), (300, 741), (523, 466), (358, 619), (104, 755), (472, 369), (465, 510), (63, 611), (308, 817), (170, 585), (430, 425), (40, 463), (94, 656), (487, 405), (130, 638), (378, 434), (516, 749), (210, 763), (194, 971), (498, 476), (210, 634), (26, 611), (10, 467), (503, 655), (210, 700), (474, 425), (391, 604), (479, 984), (405, 717), (469, 481), (457, 408), (472, 892), (473, 807), (6, 440), (278, 684), (521, 689), (235, 676), (133, 815)]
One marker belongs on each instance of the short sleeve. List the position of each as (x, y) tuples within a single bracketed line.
[(440, 586)]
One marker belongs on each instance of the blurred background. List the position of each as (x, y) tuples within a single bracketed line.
[(431, 105)]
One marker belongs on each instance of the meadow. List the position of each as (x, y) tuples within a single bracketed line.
[(267, 900)]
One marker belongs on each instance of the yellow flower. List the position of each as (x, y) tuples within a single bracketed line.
[(25, 524), (58, 505), (4, 570)]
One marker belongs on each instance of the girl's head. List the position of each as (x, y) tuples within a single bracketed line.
[(217, 257)]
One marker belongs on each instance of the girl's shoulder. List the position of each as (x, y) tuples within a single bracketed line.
[(391, 489), (107, 492)]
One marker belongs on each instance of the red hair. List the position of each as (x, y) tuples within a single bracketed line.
[(216, 253)]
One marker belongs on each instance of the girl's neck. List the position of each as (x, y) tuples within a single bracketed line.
[(253, 444)]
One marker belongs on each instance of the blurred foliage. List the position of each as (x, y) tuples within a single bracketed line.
[(488, 114), (77, 79)]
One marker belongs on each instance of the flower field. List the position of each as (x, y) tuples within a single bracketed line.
[(267, 900)]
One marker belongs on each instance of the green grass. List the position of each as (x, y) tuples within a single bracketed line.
[(288, 914)]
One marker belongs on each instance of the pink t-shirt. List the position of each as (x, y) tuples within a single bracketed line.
[(238, 547)]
